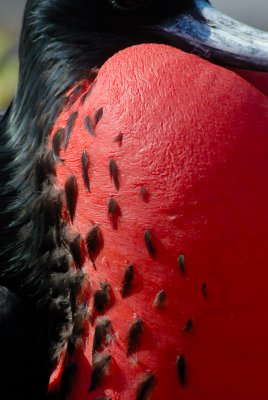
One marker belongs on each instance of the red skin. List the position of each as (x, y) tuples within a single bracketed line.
[(195, 136)]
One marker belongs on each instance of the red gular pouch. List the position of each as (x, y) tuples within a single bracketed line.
[(163, 171)]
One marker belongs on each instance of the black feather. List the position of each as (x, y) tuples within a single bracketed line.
[(85, 96), (144, 193), (160, 299), (75, 94), (57, 144), (89, 126), (102, 330), (181, 263), (127, 280), (94, 242), (85, 169), (80, 322), (50, 241), (49, 207), (44, 167), (102, 297), (69, 127), (114, 173), (59, 260), (204, 291), (100, 366), (188, 326), (98, 115), (119, 139), (76, 250), (145, 387), (149, 243), (71, 191), (114, 212), (181, 369), (134, 335)]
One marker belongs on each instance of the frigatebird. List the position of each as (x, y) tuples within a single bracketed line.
[(62, 43)]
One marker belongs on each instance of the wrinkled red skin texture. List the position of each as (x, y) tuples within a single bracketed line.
[(195, 136)]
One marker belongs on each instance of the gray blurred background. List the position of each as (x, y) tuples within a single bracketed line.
[(254, 13)]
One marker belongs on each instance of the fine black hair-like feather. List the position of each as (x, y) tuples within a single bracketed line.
[(102, 297), (69, 127), (102, 330), (127, 280), (181, 369), (100, 366), (160, 299), (94, 242), (89, 126), (145, 387), (71, 191), (76, 250), (134, 335), (98, 115), (114, 212), (149, 243), (85, 169), (57, 143), (114, 173)]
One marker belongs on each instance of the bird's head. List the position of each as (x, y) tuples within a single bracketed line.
[(102, 27)]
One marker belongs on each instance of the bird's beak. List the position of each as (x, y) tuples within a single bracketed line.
[(205, 31)]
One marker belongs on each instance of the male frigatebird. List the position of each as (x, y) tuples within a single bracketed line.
[(52, 222)]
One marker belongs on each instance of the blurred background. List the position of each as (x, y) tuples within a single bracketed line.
[(254, 13)]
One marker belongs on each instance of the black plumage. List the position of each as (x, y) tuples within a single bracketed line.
[(24, 333)]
